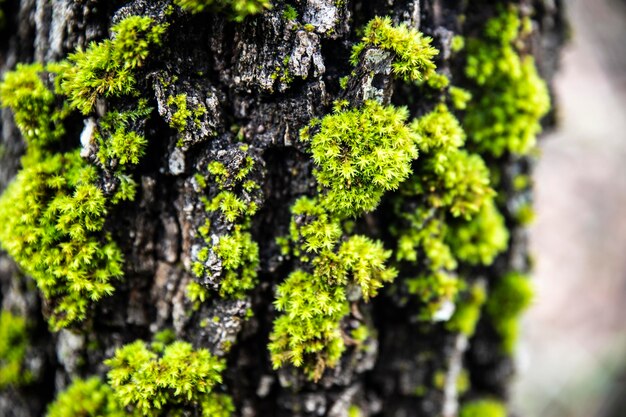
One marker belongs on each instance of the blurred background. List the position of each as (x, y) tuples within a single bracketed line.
[(573, 354)]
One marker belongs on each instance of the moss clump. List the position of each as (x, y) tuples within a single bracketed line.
[(236, 250), (86, 398), (509, 96), (147, 382), (468, 311), (307, 333), (478, 241), (511, 295), (106, 69), (240, 259), (239, 9), (290, 13), (449, 176), (483, 408), (13, 346), (118, 144), (33, 105), (455, 219), (312, 228), (359, 155), (413, 53), (182, 113), (51, 220)]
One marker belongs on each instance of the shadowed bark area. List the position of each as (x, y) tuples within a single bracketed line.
[(259, 82)]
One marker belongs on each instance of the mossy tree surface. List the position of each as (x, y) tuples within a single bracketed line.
[(267, 208)]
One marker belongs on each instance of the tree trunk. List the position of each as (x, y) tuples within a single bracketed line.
[(249, 84)]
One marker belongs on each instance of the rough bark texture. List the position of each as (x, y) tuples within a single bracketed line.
[(235, 70)]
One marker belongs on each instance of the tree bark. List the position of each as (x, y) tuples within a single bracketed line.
[(253, 95)]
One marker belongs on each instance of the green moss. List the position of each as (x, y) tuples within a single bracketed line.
[(237, 251), (525, 215), (457, 44), (106, 69), (359, 155), (231, 206), (290, 13), (182, 113), (509, 96), (360, 261), (483, 408), (312, 228), (13, 346), (308, 332), (511, 295), (479, 240), (413, 53), (239, 9), (86, 398), (459, 97), (146, 382), (434, 290), (239, 255), (456, 219), (449, 176), (467, 312), (33, 105), (117, 143), (354, 411), (51, 220)]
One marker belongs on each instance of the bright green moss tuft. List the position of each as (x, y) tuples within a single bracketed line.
[(483, 408), (467, 312), (86, 398), (182, 113), (312, 228), (510, 98), (308, 333), (359, 260), (237, 251), (434, 290), (106, 69), (239, 9), (360, 154), (13, 345), (117, 143), (511, 295), (459, 97), (479, 240), (51, 220), (449, 176), (290, 13), (240, 259), (147, 382), (33, 105), (413, 53)]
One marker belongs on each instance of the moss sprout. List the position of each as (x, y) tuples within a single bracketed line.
[(181, 114), (86, 398), (106, 69), (146, 381), (33, 105), (308, 334), (239, 9), (413, 53), (51, 220), (13, 346), (467, 312), (509, 96), (360, 154), (483, 408), (511, 295)]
